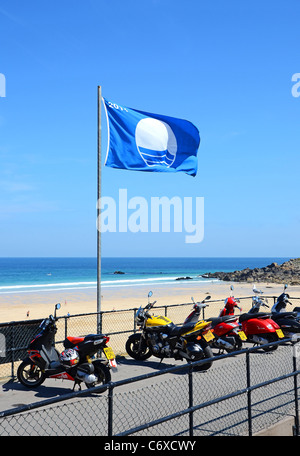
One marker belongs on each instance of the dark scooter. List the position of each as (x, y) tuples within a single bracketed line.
[(74, 363), (288, 321)]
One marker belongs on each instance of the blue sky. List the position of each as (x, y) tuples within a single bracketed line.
[(225, 66)]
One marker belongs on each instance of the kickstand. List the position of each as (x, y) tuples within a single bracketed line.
[(77, 382)]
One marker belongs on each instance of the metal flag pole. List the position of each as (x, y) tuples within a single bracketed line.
[(98, 215)]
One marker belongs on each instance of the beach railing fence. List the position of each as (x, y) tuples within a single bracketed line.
[(244, 393), (118, 324)]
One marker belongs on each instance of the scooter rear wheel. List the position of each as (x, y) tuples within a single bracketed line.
[(208, 353), (29, 374), (271, 348), (103, 374)]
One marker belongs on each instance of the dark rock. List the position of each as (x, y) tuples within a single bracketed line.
[(288, 272), (184, 278)]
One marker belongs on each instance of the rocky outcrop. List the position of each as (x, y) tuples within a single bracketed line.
[(184, 278), (288, 272)]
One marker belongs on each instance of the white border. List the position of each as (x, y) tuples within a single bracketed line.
[(108, 131)]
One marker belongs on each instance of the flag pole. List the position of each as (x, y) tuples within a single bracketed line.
[(98, 214)]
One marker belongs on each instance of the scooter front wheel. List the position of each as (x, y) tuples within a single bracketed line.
[(29, 374)]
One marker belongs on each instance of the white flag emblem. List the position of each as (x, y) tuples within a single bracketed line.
[(156, 142)]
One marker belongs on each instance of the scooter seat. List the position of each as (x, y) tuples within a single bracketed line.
[(229, 318), (218, 320), (249, 316), (178, 330), (71, 342), (284, 314)]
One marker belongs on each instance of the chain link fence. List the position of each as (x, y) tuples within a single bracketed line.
[(241, 394)]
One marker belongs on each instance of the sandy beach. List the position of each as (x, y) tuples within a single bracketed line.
[(14, 306)]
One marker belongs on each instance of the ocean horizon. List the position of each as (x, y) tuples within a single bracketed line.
[(21, 275)]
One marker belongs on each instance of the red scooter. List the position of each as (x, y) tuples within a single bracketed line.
[(226, 329), (258, 327)]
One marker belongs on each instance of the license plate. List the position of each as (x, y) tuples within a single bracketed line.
[(109, 353), (242, 335), (279, 333), (208, 336)]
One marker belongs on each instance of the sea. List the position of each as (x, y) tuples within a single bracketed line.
[(44, 274)]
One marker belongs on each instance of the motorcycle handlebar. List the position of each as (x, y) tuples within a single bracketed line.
[(150, 305), (199, 306)]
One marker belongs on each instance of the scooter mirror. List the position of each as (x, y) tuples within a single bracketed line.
[(192, 299), (207, 298), (231, 287), (150, 294), (285, 286), (57, 306)]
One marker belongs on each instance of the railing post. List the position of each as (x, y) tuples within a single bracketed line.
[(249, 393), (134, 320), (99, 322), (13, 351), (296, 428), (110, 410), (191, 401), (66, 327)]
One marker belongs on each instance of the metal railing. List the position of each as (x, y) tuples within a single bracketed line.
[(234, 397)]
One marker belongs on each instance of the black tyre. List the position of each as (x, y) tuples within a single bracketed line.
[(103, 374), (137, 348), (208, 353), (238, 345), (270, 339), (29, 374)]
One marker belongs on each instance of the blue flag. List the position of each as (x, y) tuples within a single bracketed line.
[(150, 142)]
